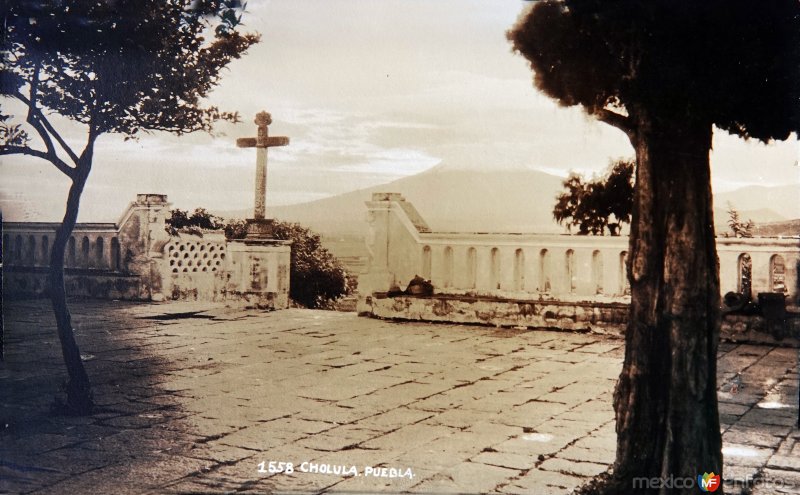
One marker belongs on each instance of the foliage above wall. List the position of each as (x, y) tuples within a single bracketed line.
[(590, 204), (318, 279)]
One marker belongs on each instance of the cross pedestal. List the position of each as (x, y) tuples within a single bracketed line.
[(260, 273), (259, 228), (260, 264)]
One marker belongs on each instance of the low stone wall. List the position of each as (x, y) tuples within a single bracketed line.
[(137, 259), (574, 316), (102, 260), (545, 314), (21, 282), (529, 265), (760, 330), (561, 282), (194, 266)]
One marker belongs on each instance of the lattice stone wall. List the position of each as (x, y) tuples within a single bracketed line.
[(195, 255)]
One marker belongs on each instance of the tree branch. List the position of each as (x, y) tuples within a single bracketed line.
[(35, 113), (621, 122), (60, 164), (84, 164), (31, 118)]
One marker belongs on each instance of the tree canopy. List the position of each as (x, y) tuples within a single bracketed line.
[(115, 67), (317, 277), (590, 205), (122, 67), (200, 219), (731, 63)]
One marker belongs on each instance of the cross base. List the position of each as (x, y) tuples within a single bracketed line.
[(258, 229)]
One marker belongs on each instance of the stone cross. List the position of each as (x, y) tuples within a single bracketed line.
[(261, 143)]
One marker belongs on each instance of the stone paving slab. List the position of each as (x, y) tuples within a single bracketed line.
[(199, 398)]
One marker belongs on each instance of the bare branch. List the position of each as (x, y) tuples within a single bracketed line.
[(621, 122), (60, 164)]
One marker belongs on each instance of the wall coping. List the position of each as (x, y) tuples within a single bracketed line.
[(52, 226)]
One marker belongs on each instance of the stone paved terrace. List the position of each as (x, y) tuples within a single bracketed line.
[(195, 396)]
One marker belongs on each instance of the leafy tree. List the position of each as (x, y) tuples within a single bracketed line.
[(590, 205), (569, 204), (618, 194), (665, 72), (738, 227), (114, 67), (317, 278)]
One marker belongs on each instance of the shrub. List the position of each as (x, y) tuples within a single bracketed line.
[(317, 278)]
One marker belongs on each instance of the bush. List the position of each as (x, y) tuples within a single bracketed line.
[(200, 219), (317, 278)]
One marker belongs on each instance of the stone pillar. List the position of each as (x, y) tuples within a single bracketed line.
[(482, 274), (157, 209), (584, 285), (728, 271), (761, 273), (259, 273), (142, 237), (376, 277)]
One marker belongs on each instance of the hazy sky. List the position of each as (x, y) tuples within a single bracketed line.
[(368, 91)]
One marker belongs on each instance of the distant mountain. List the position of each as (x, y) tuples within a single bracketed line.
[(774, 210), (455, 199), (449, 199), (772, 229), (779, 202), (760, 217)]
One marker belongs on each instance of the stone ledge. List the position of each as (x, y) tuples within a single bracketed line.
[(605, 318), (760, 330), (255, 299), (575, 316), (98, 284)]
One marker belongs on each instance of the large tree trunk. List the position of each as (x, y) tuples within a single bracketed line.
[(665, 400), (79, 392)]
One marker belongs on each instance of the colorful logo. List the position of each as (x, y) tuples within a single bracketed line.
[(708, 482)]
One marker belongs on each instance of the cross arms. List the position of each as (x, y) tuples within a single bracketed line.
[(269, 142)]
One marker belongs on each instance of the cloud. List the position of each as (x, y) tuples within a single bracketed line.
[(368, 92)]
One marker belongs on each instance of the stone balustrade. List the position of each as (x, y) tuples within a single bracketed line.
[(563, 266), (583, 267), (106, 260), (520, 265), (587, 271), (137, 259), (92, 246)]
